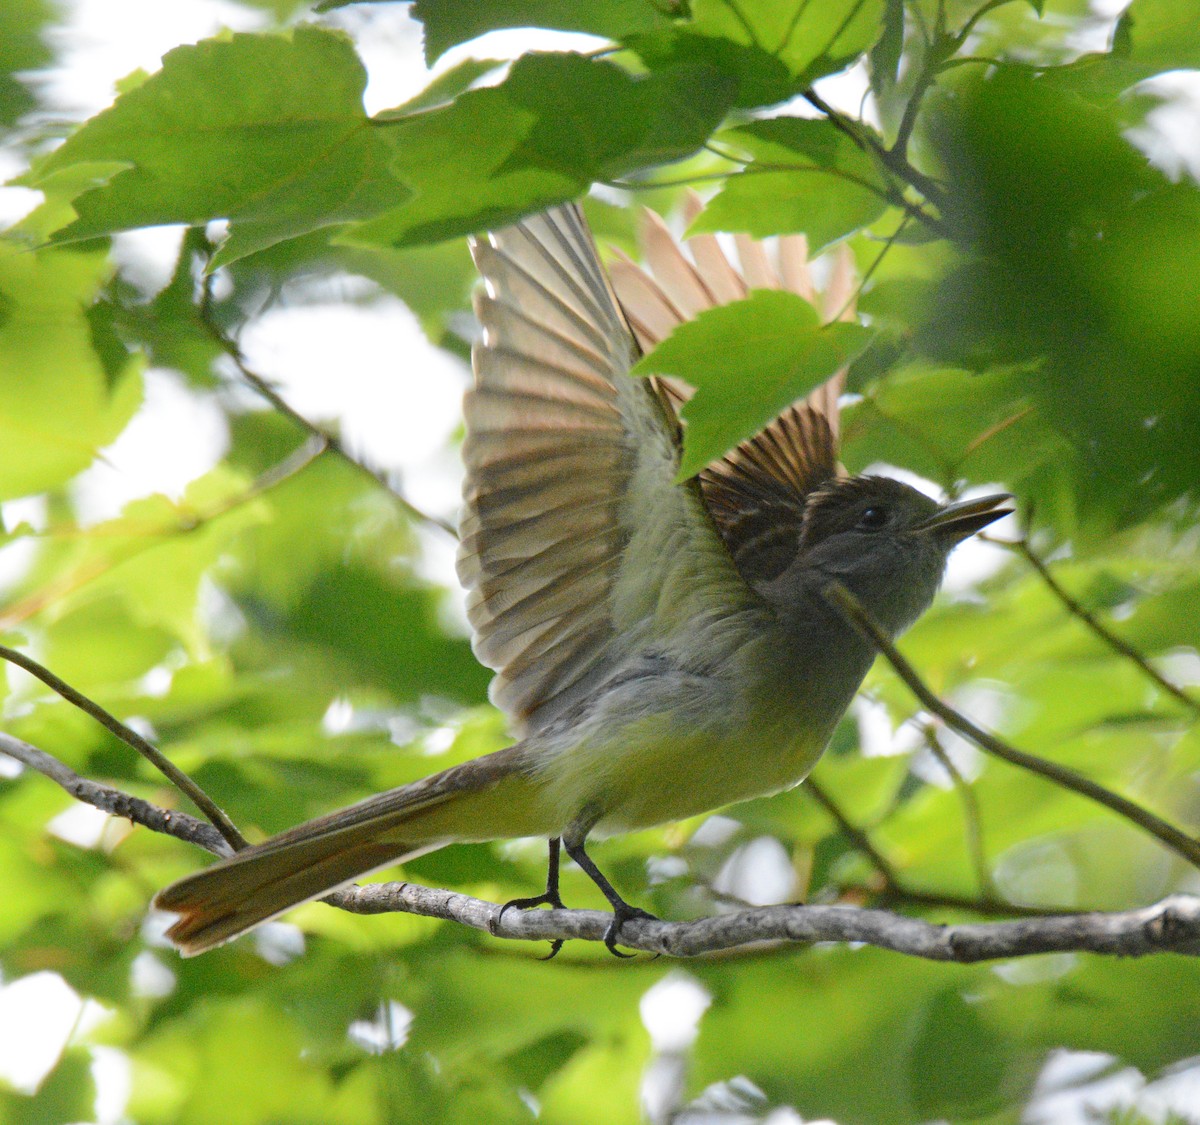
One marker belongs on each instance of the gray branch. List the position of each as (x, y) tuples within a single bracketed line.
[(1172, 925), (180, 825), (1169, 926)]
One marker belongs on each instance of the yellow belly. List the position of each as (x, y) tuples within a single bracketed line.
[(657, 770)]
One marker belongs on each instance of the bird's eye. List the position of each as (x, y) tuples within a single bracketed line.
[(872, 519)]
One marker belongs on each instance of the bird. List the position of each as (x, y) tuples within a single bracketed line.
[(661, 649)]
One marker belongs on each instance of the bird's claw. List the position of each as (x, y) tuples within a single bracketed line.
[(545, 899), (622, 914)]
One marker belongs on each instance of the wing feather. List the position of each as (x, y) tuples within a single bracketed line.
[(757, 493), (577, 547)]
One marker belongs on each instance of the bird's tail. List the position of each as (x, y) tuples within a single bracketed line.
[(488, 798)]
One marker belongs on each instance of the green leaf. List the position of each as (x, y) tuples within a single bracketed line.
[(556, 124), (1162, 34), (450, 22), (58, 403), (267, 131), (774, 49), (748, 361), (22, 48), (807, 176), (444, 88)]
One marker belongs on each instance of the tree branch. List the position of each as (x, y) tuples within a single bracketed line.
[(1076, 609), (131, 738), (893, 160), (1172, 925), (330, 441), (190, 829), (1168, 834)]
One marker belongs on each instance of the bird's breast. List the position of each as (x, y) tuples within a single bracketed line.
[(673, 744)]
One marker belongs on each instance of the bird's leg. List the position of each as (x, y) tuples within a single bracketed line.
[(549, 897), (622, 911)]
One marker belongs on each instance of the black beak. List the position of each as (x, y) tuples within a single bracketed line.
[(956, 522)]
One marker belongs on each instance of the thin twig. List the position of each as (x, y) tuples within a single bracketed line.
[(114, 801), (130, 737), (1180, 843), (856, 836), (148, 536), (973, 821), (856, 295), (1022, 547), (332, 443), (892, 160), (1171, 925)]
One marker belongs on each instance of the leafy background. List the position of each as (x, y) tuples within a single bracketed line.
[(282, 622)]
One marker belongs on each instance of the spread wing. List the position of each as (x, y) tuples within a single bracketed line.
[(756, 493), (577, 548)]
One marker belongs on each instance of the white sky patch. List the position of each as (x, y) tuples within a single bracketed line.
[(1170, 134), (38, 1014), (79, 824), (176, 436), (104, 40), (368, 368), (387, 1030), (759, 873), (671, 1011)]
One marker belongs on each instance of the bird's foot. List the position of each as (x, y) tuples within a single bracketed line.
[(549, 897), (622, 913)]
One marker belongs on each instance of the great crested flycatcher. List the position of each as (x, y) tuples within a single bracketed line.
[(662, 649)]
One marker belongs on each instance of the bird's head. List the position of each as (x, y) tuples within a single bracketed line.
[(883, 540)]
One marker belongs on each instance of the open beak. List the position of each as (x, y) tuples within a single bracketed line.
[(955, 522)]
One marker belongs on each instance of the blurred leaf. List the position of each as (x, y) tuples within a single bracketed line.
[(23, 48), (387, 630), (806, 177), (957, 1063), (58, 402), (748, 361), (1162, 34), (1078, 250), (450, 22)]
